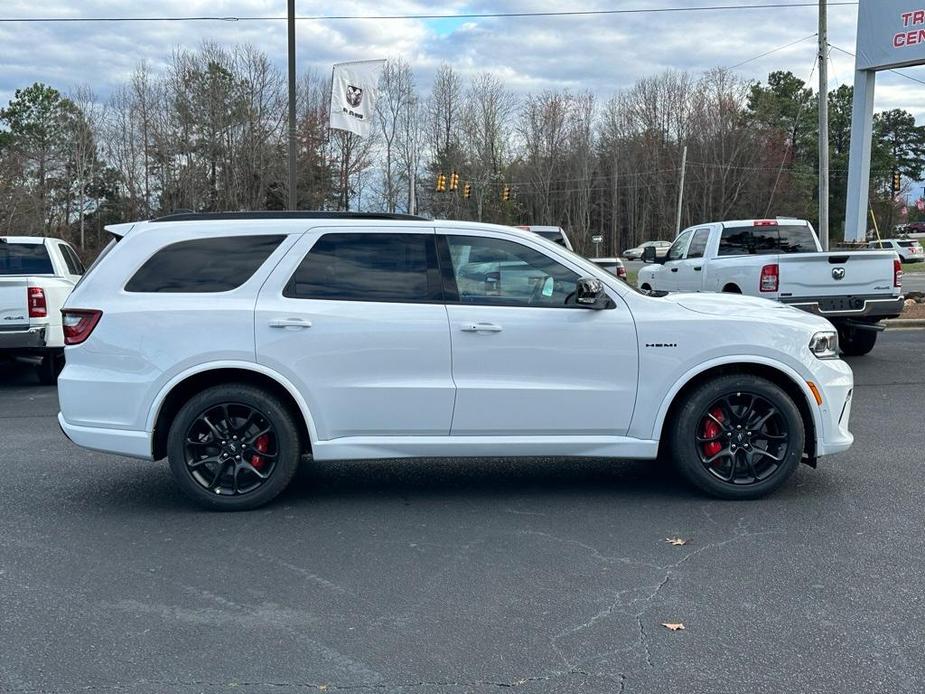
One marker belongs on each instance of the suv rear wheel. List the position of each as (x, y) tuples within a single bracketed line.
[(233, 447), (737, 437)]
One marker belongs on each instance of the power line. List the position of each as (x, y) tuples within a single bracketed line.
[(895, 72), (466, 15), (773, 50)]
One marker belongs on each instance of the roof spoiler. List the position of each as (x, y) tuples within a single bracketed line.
[(119, 230)]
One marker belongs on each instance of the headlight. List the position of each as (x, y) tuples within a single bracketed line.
[(825, 345)]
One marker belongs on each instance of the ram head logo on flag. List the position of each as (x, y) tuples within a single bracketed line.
[(353, 95)]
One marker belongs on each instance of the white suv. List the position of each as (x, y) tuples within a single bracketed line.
[(233, 344)]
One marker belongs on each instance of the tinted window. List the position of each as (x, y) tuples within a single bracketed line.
[(24, 259), (74, 266), (906, 244), (505, 273), (676, 252), (204, 265), (748, 241), (369, 267), (796, 239), (698, 244)]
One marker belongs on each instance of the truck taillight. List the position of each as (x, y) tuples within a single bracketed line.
[(78, 324), (38, 308), (770, 278), (621, 272), (897, 273)]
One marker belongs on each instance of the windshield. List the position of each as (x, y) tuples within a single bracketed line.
[(24, 259)]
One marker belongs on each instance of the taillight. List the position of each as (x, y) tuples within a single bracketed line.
[(897, 273), (38, 308), (78, 324), (621, 273), (770, 278)]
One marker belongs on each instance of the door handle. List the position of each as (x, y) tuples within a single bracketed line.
[(290, 323), (481, 328), (674, 269), (698, 269)]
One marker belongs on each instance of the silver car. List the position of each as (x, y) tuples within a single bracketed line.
[(661, 250)]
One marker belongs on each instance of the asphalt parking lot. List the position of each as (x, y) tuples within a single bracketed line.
[(469, 576)]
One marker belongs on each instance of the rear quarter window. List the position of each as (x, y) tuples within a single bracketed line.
[(24, 259), (218, 264)]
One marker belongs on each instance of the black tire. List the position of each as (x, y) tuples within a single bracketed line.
[(194, 479), (50, 368), (689, 454), (646, 288), (856, 343), (731, 289)]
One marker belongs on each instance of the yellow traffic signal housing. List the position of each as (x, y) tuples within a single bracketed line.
[(467, 191), (506, 193), (897, 182), (454, 181), (441, 183)]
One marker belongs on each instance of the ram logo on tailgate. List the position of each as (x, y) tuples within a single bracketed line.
[(838, 273)]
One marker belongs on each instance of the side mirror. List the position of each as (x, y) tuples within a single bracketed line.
[(650, 255), (589, 293)]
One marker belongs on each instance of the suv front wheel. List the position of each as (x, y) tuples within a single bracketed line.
[(233, 447), (737, 437)]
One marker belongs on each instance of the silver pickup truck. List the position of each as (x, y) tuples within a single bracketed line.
[(782, 260), (36, 276)]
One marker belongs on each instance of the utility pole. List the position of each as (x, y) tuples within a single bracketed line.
[(823, 229), (293, 192), (681, 190)]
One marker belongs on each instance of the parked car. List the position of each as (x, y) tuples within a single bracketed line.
[(36, 276), (556, 234), (783, 261), (614, 266), (661, 248), (908, 250), (914, 228), (232, 344)]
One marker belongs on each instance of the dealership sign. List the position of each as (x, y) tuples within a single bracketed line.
[(891, 33)]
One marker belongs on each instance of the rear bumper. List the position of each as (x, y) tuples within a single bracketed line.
[(22, 340), (133, 444), (849, 306)]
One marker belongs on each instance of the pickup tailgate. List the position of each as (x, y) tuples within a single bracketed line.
[(14, 308), (811, 275)]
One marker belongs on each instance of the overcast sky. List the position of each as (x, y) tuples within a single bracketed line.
[(599, 53)]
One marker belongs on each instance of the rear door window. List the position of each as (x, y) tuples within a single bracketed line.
[(796, 238), (906, 244), (24, 259), (218, 264), (393, 268)]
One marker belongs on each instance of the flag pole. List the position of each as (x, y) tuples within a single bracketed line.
[(293, 192)]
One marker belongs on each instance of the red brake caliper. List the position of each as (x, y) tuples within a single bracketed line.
[(262, 444), (710, 430)]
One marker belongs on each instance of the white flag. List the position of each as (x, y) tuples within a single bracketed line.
[(353, 95)]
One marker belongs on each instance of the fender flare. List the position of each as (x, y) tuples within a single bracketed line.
[(735, 360), (155, 410)]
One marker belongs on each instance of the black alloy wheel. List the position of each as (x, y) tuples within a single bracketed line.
[(233, 447), (738, 436)]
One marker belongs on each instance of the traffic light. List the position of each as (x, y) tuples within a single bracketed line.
[(506, 193), (454, 181), (441, 183), (467, 191), (897, 183)]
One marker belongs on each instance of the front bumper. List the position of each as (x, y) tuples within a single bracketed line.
[(835, 381), (22, 340)]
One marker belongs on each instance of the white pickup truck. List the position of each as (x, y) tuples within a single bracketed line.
[(782, 260), (36, 277)]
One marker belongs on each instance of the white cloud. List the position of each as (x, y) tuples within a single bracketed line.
[(598, 53)]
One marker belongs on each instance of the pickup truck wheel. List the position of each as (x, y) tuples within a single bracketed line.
[(737, 437), (233, 448), (856, 343), (50, 368)]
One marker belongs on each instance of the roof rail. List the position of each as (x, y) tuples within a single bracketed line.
[(283, 214)]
